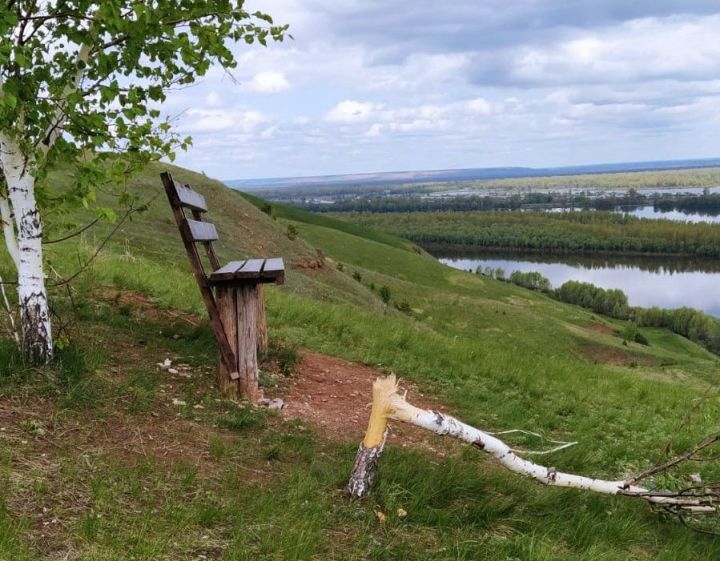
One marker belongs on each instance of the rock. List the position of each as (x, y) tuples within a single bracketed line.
[(264, 402), (178, 402), (172, 371), (276, 404), (165, 365)]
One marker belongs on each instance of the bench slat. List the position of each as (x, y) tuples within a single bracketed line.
[(202, 231), (260, 270), (274, 269), (251, 269), (191, 199), (228, 271)]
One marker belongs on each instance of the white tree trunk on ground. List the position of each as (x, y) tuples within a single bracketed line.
[(388, 404), (32, 295)]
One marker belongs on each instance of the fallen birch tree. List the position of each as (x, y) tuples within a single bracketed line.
[(388, 404)]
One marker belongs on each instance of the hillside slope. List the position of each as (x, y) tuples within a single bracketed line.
[(196, 477)]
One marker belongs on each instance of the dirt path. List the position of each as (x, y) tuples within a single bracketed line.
[(334, 395)]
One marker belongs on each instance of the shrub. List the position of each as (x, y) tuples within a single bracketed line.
[(357, 276), (384, 294), (292, 232), (532, 280)]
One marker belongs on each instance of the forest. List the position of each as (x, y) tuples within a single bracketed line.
[(562, 232)]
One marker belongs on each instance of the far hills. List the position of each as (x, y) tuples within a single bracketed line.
[(469, 174)]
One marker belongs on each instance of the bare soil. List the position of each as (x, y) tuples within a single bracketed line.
[(335, 396), (602, 328), (616, 356)]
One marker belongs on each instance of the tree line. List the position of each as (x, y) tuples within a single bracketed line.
[(562, 232), (400, 201), (612, 302)]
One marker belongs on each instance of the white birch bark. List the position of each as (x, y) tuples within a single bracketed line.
[(32, 295), (396, 407), (8, 230)]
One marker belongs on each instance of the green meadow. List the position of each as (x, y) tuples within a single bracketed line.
[(98, 460)]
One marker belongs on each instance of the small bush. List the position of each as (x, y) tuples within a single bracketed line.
[(292, 232), (357, 276), (404, 307), (631, 333), (384, 294)]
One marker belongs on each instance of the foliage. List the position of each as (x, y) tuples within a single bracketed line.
[(532, 280), (567, 232), (82, 83), (384, 294), (632, 334), (292, 232), (607, 301)]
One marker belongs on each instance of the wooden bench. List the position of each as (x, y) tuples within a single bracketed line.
[(232, 293)]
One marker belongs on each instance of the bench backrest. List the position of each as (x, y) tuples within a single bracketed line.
[(194, 231), (183, 201)]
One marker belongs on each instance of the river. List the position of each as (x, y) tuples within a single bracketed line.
[(648, 281)]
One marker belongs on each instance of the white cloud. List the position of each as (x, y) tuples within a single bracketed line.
[(528, 83), (680, 48), (374, 131), (216, 120), (213, 99), (268, 82), (350, 111), (480, 105)]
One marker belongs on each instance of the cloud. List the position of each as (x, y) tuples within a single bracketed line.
[(674, 48), (268, 82), (350, 111), (386, 85), (218, 120)]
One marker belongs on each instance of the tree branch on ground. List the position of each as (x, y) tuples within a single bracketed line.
[(388, 404)]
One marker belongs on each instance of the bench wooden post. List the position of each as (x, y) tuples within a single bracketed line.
[(236, 308), (238, 311), (262, 334)]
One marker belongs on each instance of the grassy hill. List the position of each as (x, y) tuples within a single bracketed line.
[(98, 444)]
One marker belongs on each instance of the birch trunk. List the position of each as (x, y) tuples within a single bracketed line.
[(32, 295), (388, 403), (9, 231)]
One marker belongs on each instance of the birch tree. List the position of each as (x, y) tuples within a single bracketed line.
[(81, 85)]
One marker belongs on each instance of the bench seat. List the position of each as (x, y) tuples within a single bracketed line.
[(250, 270)]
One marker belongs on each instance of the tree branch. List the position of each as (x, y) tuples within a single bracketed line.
[(74, 234), (394, 406)]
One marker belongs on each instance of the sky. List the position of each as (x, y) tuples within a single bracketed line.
[(390, 85)]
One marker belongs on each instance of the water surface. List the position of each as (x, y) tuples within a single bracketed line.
[(647, 281)]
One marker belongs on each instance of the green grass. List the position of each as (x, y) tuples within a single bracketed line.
[(286, 212), (129, 474)]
